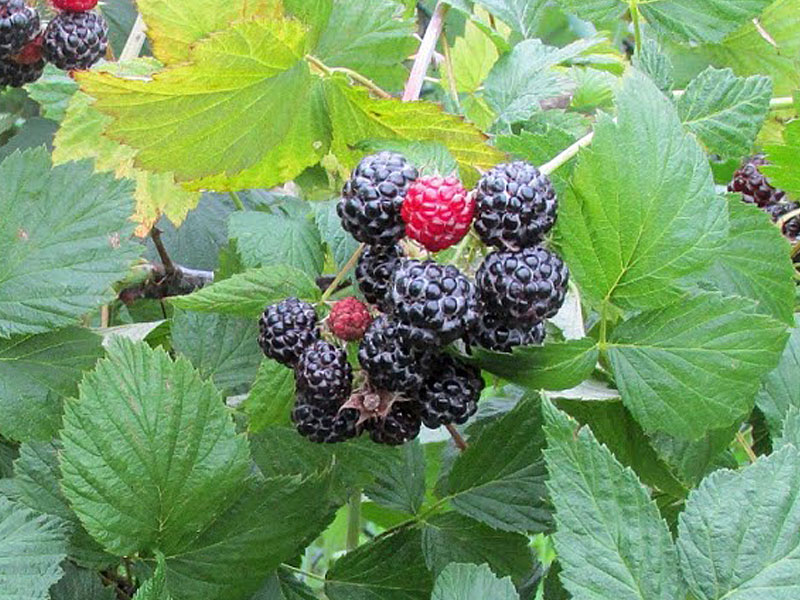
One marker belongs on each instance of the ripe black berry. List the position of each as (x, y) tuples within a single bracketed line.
[(325, 426), (374, 273), (791, 228), (287, 328), (390, 363), (753, 186), (433, 304), (515, 206), (19, 24), (76, 40), (372, 199), (451, 393), (493, 333), (15, 74), (323, 375), (401, 425), (523, 287)]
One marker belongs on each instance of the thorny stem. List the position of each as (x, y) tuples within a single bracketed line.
[(237, 201), (425, 53), (342, 273), (169, 266), (458, 440), (353, 520), (747, 449), (354, 75)]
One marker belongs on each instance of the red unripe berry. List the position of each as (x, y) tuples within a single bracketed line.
[(75, 5), (349, 319), (438, 212), (31, 53)]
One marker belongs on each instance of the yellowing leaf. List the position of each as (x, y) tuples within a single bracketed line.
[(174, 25), (81, 136), (356, 116), (246, 98)]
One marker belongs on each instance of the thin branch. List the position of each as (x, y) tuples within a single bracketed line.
[(158, 285), (425, 53), (354, 75), (341, 274), (751, 456), (458, 440), (169, 267), (136, 40), (565, 155), (302, 572), (237, 201)]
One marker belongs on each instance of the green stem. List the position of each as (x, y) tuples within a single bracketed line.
[(637, 29), (303, 573), (237, 201), (354, 520), (354, 75), (341, 274), (451, 77), (603, 325), (779, 103)]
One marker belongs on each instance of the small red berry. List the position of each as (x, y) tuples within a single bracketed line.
[(438, 212), (349, 319), (75, 5), (31, 53)]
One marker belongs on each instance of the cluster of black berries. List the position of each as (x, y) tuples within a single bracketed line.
[(422, 305), (756, 189), (75, 39)]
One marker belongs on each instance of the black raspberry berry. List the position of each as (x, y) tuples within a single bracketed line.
[(16, 74), (494, 333), (287, 329), (374, 271), (323, 375), (433, 304), (390, 363), (325, 426), (751, 183), (515, 206), (451, 393), (523, 287), (76, 40), (19, 24), (791, 228), (401, 425), (372, 199)]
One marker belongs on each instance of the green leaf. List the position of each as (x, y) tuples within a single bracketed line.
[(613, 425), (554, 366), (341, 244), (754, 263), (471, 582), (738, 536), (708, 21), (371, 38), (155, 588), (790, 433), (500, 478), (641, 210), (453, 538), (524, 77), (610, 539), (472, 57), (782, 172), (81, 584), (694, 365), (521, 15), (276, 238), (37, 477), (693, 460), (725, 112), (388, 568), (222, 348), (246, 294), (282, 585), (36, 373), (32, 547), (653, 62), (596, 10), (64, 238), (271, 397), (150, 454), (53, 92), (174, 27), (401, 486), (780, 390), (271, 522)]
